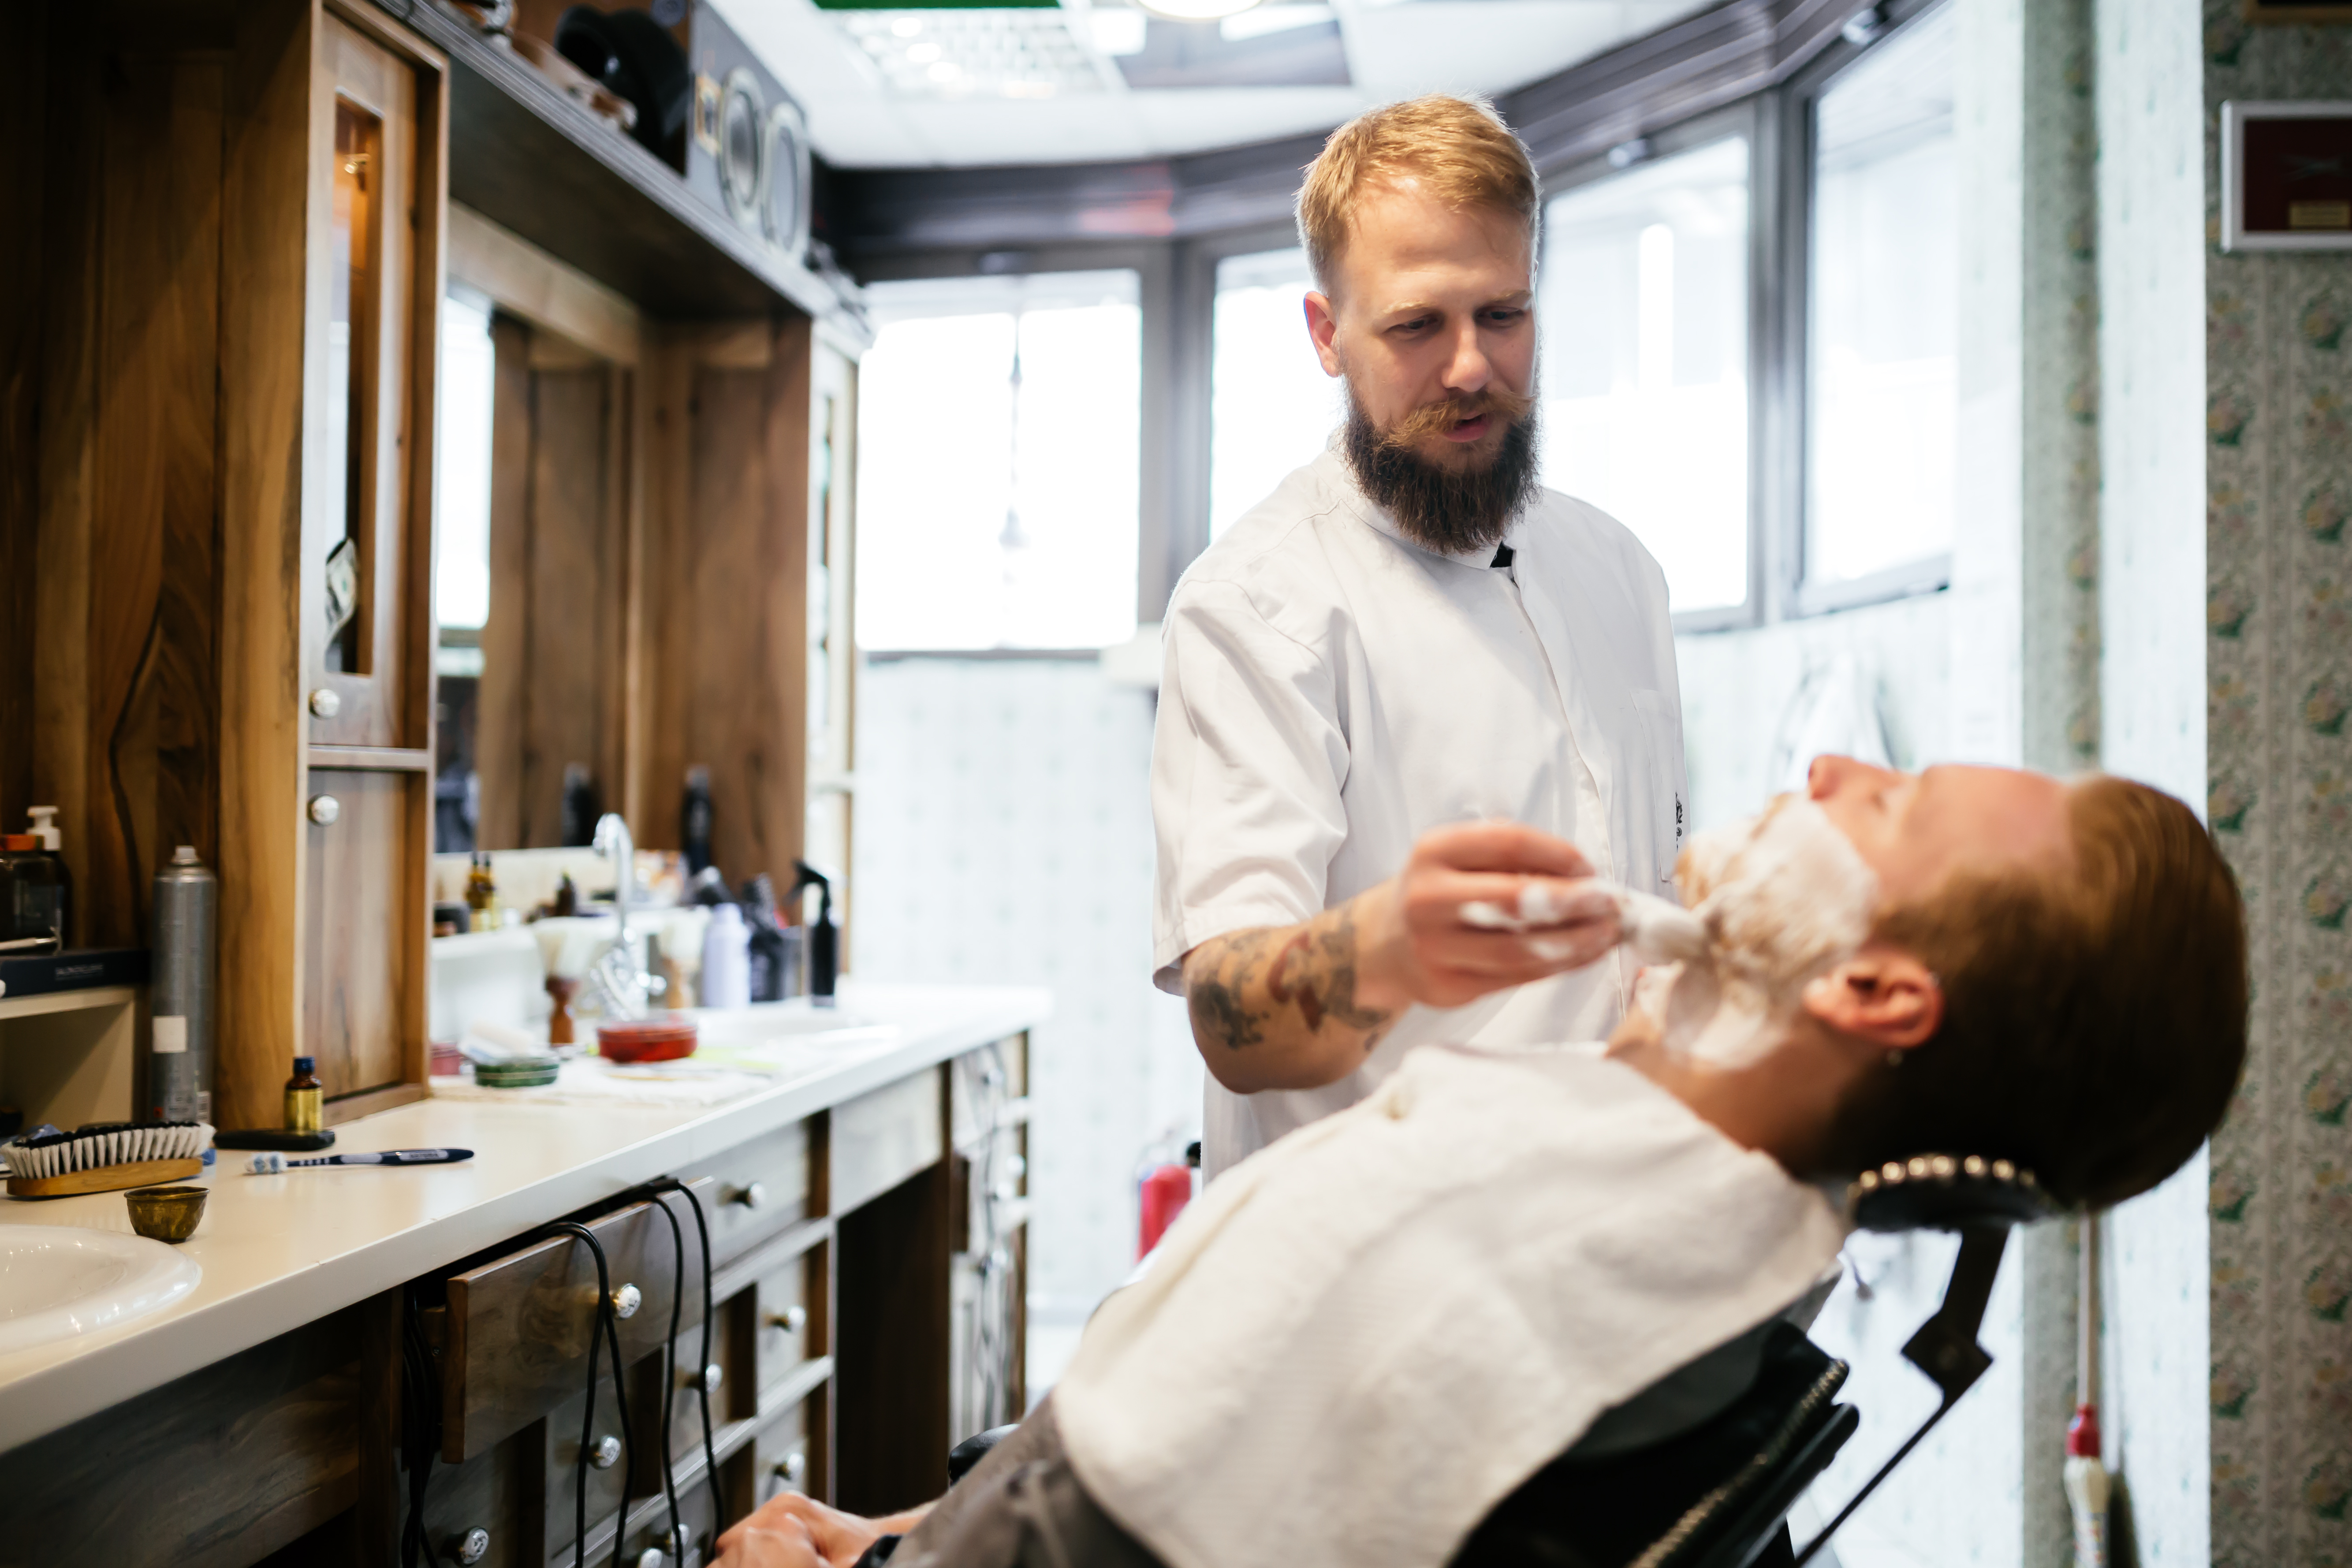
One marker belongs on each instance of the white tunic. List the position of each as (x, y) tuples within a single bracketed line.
[(1331, 691), (1352, 1348)]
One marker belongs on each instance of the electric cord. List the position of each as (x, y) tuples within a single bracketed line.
[(606, 1320), (420, 1423), (710, 1316), (669, 1374)]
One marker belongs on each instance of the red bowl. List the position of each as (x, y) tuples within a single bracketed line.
[(646, 1039)]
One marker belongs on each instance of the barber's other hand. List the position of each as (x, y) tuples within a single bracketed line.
[(790, 1530), (1423, 949)]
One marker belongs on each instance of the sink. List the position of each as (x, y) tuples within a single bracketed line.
[(785, 1036), (56, 1281)]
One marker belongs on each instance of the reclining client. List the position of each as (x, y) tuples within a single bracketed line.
[(1365, 1336)]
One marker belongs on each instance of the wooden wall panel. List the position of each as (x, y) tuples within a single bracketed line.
[(570, 632), (499, 722), (152, 711), (22, 308), (264, 211), (727, 590)]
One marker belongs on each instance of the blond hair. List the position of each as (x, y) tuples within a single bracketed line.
[(1458, 148)]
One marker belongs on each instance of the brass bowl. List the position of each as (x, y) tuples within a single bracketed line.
[(166, 1214)]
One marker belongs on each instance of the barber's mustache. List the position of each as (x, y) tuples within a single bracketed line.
[(1436, 418)]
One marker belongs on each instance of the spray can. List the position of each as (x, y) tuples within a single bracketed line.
[(186, 938)]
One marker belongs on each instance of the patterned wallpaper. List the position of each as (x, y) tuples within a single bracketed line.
[(2278, 460), (1003, 835)]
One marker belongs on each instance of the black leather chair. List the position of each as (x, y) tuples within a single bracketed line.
[(1716, 1491)]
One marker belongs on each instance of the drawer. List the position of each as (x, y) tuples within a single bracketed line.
[(880, 1140), (782, 1457), (491, 1492), (516, 1337), (987, 1088), (757, 1188), (607, 1473), (787, 1315), (647, 1531)]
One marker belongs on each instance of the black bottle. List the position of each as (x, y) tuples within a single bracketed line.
[(824, 936), (694, 824), (768, 941), (581, 806)]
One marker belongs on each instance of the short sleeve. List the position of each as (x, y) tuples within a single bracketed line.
[(1247, 764)]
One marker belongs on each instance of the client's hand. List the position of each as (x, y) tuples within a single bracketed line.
[(790, 1530)]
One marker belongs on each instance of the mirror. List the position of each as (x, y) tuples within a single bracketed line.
[(529, 582)]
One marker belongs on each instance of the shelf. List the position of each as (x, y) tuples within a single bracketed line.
[(530, 159), (68, 1001)]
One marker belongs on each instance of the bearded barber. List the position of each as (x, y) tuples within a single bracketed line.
[(1412, 679)]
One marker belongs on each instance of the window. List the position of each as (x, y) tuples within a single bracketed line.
[(1272, 408), (1882, 412), (999, 424), (1642, 303)]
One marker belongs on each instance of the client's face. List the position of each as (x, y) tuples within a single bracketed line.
[(1914, 829)]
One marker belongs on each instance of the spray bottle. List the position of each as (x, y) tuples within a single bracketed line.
[(823, 935)]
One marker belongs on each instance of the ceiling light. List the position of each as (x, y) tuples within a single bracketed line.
[(924, 53), (946, 70), (1268, 19), (1196, 10), (1119, 30), (905, 27)]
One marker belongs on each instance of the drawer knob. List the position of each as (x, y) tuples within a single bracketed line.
[(471, 1547), (752, 1195), (651, 1557), (324, 809), (792, 1320), (325, 702), (712, 1376), (792, 1469), (626, 1300), (606, 1453)]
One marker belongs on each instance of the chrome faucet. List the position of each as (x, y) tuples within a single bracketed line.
[(621, 984)]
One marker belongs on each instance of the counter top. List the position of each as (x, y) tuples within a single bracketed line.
[(281, 1251)]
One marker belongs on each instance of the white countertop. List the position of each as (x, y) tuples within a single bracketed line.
[(281, 1251)]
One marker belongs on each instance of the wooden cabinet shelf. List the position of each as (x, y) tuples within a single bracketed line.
[(534, 162)]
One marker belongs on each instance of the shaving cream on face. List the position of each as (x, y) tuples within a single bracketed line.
[(1782, 897)]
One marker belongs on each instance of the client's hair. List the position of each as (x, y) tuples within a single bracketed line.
[(2094, 1020)]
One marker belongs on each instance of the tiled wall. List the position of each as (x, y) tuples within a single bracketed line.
[(1003, 835), (2277, 445)]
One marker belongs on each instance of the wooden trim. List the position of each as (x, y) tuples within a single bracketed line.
[(800, 1240), (524, 281), (372, 759), (68, 1001), (794, 1387), (381, 28), (352, 1107)]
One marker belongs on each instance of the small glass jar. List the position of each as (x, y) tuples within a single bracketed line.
[(305, 1097)]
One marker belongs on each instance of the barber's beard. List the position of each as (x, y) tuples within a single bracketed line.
[(1784, 897), (1448, 508)]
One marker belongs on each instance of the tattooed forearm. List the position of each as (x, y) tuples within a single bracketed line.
[(1286, 987)]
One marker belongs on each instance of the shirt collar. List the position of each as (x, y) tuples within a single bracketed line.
[(1341, 479)]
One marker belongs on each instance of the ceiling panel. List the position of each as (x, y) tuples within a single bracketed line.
[(859, 119)]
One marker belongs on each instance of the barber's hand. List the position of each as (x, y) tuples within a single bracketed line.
[(1426, 948), (790, 1530)]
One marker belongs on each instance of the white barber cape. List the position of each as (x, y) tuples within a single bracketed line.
[(1331, 691), (1352, 1347)]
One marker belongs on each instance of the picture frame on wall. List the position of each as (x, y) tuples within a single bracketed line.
[(2297, 13), (2286, 175)]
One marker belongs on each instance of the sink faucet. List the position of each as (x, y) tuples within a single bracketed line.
[(623, 984)]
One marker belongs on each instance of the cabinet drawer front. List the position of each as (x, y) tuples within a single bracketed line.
[(757, 1189), (782, 1457), (881, 1139), (788, 1326), (518, 1325), (981, 1083)]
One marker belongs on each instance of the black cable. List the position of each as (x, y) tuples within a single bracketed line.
[(420, 1425), (709, 1314), (670, 1372), (604, 1320)]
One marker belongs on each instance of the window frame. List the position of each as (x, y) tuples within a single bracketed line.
[(1747, 119), (1162, 447), (1798, 98)]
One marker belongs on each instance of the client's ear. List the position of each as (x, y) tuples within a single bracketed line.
[(1882, 994)]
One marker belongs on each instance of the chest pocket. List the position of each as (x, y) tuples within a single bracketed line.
[(1657, 803)]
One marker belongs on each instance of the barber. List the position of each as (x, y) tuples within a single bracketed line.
[(1411, 679)]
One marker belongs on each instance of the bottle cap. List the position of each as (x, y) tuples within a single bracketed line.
[(44, 826), (186, 855), (306, 1064), (19, 843)]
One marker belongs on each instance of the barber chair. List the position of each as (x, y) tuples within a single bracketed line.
[(1700, 1469)]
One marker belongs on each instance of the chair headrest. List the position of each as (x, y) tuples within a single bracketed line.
[(1945, 1192)]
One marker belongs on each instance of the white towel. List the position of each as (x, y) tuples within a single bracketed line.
[(1360, 1338)]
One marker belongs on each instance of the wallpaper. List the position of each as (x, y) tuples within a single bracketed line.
[(2278, 433)]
